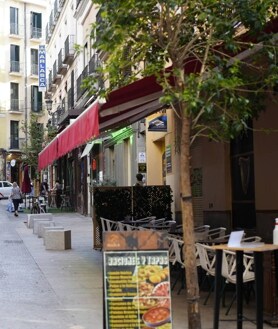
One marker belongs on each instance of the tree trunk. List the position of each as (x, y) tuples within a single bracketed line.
[(192, 287)]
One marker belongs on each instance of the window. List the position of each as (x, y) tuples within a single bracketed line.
[(36, 25), (34, 61), (14, 21), (36, 99), (14, 97), (14, 58), (14, 135)]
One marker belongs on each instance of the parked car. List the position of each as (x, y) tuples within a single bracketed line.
[(5, 189)]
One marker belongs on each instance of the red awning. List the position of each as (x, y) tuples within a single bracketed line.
[(84, 128), (137, 100), (130, 103), (48, 154), (124, 106)]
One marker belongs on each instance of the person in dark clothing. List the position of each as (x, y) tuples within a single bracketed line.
[(58, 189), (139, 181), (44, 188)]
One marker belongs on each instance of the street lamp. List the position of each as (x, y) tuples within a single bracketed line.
[(48, 103)]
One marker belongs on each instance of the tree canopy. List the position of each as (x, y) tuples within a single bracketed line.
[(34, 132), (200, 41)]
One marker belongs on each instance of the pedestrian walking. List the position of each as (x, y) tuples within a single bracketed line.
[(16, 197)]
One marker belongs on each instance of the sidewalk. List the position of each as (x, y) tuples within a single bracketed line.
[(63, 289)]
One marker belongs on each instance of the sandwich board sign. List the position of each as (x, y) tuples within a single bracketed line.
[(137, 290)]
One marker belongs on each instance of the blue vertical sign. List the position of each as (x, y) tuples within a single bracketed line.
[(42, 68)]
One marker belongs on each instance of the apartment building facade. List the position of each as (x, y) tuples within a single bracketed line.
[(21, 34), (70, 59)]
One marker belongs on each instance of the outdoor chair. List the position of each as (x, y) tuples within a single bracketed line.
[(207, 259), (229, 273), (155, 222), (168, 226), (176, 260), (201, 232), (126, 227), (216, 233), (108, 225)]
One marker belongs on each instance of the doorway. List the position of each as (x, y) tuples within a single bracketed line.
[(243, 182)]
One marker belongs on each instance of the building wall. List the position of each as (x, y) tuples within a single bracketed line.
[(23, 78), (265, 165), (266, 159), (210, 172)]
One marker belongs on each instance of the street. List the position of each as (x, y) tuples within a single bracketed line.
[(44, 289), (48, 289)]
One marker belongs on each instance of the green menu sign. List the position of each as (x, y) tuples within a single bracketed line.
[(137, 289)]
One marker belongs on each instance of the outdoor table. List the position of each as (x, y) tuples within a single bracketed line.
[(258, 261)]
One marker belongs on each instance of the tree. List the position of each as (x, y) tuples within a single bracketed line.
[(34, 132), (211, 89)]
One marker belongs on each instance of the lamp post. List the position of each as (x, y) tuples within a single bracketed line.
[(48, 103)]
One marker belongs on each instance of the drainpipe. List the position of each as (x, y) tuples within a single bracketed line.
[(89, 205), (25, 75)]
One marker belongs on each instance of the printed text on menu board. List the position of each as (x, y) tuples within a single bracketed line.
[(137, 289)]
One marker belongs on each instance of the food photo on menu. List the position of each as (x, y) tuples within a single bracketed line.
[(153, 299)]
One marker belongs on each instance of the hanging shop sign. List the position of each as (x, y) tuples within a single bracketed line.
[(168, 159), (42, 68), (142, 168), (142, 157), (158, 124), (136, 281)]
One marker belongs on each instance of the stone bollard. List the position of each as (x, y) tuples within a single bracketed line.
[(57, 239), (30, 220)]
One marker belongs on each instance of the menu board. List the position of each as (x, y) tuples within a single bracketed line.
[(137, 289), (136, 280)]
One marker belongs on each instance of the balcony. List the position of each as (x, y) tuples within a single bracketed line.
[(51, 87), (77, 3), (53, 120), (51, 22), (83, 75), (94, 63), (56, 76), (36, 107), (15, 68), (66, 111), (36, 33), (48, 33), (34, 70), (16, 143), (57, 10), (14, 106), (69, 50), (62, 68), (60, 113)]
